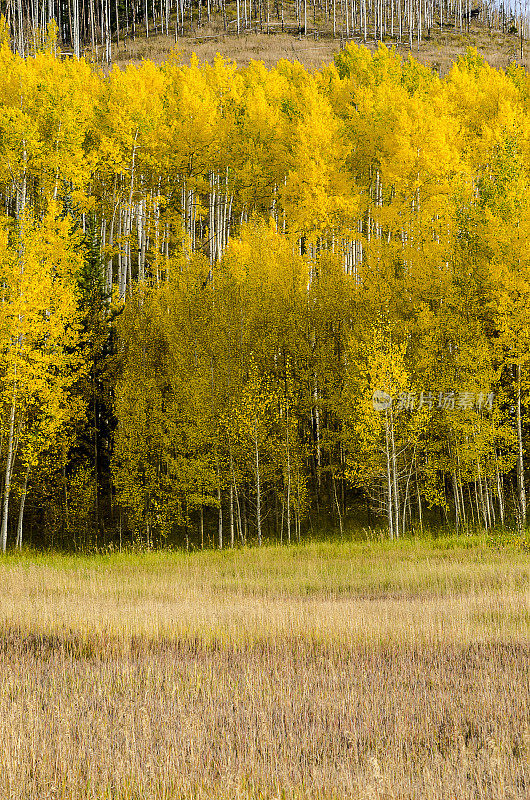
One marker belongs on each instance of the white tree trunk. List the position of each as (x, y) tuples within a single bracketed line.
[(521, 488), (9, 469), (21, 511), (258, 485)]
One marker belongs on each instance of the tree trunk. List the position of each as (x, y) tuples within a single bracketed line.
[(337, 505), (231, 515), (220, 519), (521, 489), (390, 512), (394, 477), (21, 511), (500, 494), (288, 483), (9, 469), (258, 487)]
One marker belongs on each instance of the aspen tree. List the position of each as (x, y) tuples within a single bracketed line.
[(39, 336)]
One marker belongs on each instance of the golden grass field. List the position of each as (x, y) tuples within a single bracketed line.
[(318, 671)]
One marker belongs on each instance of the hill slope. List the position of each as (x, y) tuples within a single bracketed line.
[(439, 49)]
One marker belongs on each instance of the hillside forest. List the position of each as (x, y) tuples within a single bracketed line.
[(97, 29), (244, 305)]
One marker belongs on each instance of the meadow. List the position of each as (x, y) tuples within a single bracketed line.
[(439, 50), (323, 670)]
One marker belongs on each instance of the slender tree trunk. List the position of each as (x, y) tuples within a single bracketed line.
[(457, 500), (9, 468), (337, 505), (390, 511), (21, 511), (500, 493), (220, 519), (258, 483), (420, 514), (288, 480), (406, 502), (238, 507), (231, 515), (394, 476), (521, 489)]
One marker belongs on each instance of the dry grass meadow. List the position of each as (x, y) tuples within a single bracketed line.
[(359, 670), (439, 50)]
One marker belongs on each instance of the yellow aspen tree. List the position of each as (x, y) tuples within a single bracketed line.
[(39, 334)]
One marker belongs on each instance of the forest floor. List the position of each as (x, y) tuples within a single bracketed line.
[(439, 49), (323, 670)]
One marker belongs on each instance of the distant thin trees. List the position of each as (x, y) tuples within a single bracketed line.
[(98, 26)]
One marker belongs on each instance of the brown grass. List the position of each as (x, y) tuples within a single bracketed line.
[(315, 672), (439, 51)]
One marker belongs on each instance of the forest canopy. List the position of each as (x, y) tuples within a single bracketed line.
[(241, 303)]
